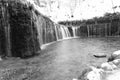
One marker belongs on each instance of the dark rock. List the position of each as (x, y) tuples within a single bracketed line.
[(27, 29), (84, 73), (100, 55), (23, 39)]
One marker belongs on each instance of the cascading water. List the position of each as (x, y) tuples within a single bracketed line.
[(74, 31), (56, 31), (62, 32), (65, 32)]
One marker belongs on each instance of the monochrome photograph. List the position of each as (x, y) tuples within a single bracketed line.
[(59, 39)]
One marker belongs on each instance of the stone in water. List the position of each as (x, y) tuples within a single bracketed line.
[(99, 55)]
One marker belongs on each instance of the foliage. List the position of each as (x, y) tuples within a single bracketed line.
[(107, 18)]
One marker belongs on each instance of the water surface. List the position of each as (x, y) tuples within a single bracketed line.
[(66, 59)]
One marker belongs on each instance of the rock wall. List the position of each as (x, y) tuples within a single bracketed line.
[(18, 33), (24, 29)]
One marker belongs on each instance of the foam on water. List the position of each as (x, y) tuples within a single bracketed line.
[(45, 45)]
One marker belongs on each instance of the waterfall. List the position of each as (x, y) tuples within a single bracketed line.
[(56, 31), (74, 31), (65, 32), (62, 32)]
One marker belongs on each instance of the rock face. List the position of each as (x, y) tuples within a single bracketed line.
[(18, 33), (24, 29), (114, 55)]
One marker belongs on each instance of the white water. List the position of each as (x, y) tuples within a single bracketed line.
[(61, 31), (74, 31), (56, 31), (65, 32), (45, 45)]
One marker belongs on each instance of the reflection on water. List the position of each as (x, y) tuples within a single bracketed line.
[(66, 59)]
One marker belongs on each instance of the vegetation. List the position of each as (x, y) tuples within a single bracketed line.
[(18, 33), (23, 29), (107, 18), (108, 25)]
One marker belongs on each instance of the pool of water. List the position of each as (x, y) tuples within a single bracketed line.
[(65, 60)]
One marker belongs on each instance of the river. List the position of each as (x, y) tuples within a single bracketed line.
[(65, 60)]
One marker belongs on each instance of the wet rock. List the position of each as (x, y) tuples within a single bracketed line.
[(95, 74), (99, 55), (116, 62), (23, 39), (108, 66), (106, 71), (75, 79), (84, 73), (114, 55)]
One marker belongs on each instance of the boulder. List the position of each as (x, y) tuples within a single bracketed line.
[(75, 79), (95, 74), (114, 55), (116, 62), (116, 52), (108, 66), (84, 73)]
